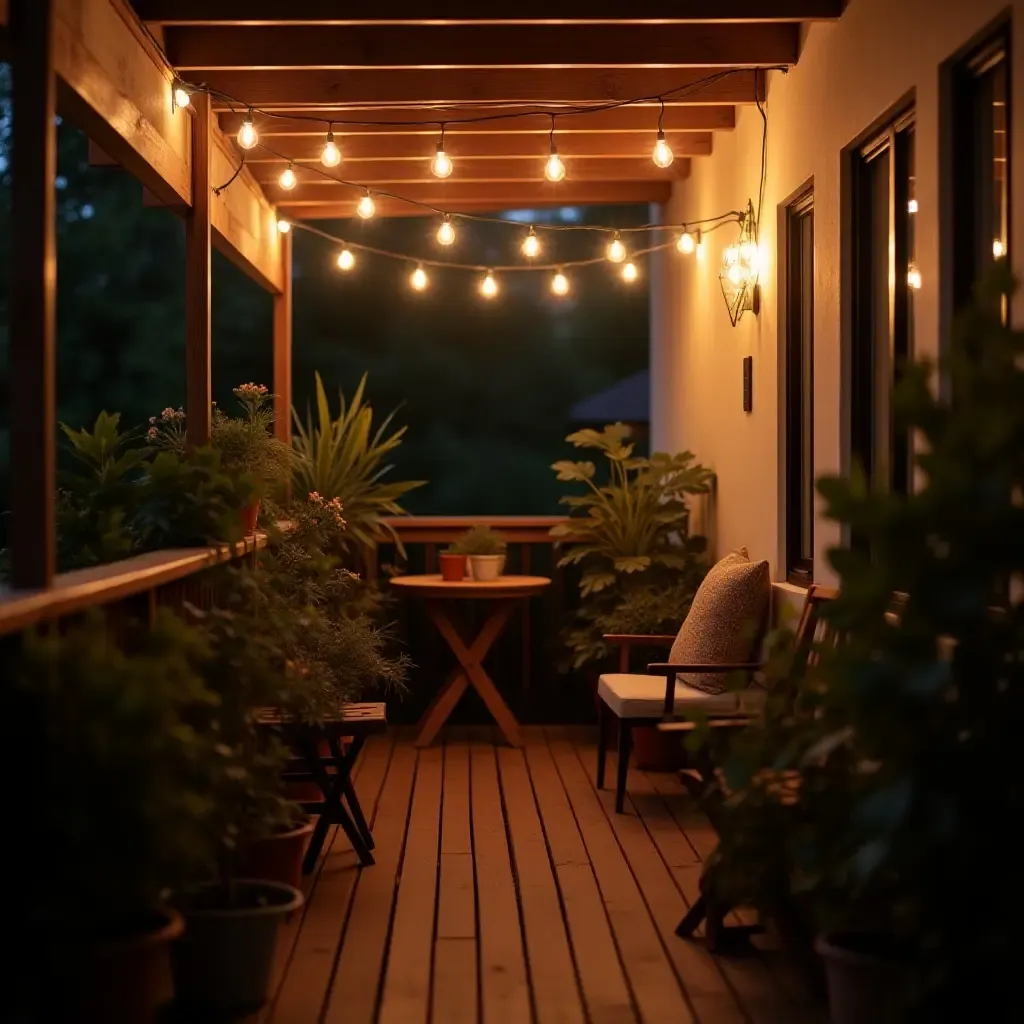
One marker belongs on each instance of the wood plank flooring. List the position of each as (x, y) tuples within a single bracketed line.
[(507, 891)]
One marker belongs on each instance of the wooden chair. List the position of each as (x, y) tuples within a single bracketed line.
[(344, 735), (812, 631)]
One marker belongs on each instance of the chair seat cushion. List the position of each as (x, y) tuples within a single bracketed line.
[(643, 696)]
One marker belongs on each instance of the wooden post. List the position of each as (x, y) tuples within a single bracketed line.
[(283, 354), (33, 295), (283, 347), (198, 262)]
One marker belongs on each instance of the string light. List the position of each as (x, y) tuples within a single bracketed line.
[(629, 272), (488, 286), (283, 227), (346, 261), (914, 277), (366, 208), (685, 244), (998, 249), (554, 169), (560, 284), (247, 134), (912, 206), (442, 165), (287, 180), (182, 97), (531, 244), (330, 155), (446, 232), (419, 279), (662, 155), (616, 251)]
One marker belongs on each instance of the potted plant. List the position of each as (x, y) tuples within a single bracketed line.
[(120, 789), (904, 742), (453, 563), (345, 457), (485, 551), (639, 565)]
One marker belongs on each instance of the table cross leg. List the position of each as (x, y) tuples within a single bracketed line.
[(348, 789), (471, 659)]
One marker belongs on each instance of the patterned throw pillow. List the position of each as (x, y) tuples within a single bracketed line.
[(725, 620)]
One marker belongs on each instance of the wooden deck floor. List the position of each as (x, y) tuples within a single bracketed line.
[(506, 891)]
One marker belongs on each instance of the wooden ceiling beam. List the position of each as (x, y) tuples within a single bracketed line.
[(420, 149), (400, 172), (635, 118), (307, 90), (496, 195), (274, 48), (414, 12)]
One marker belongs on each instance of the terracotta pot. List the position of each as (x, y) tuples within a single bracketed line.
[(655, 751), (863, 978), (250, 516), (453, 567), (222, 965), (486, 567), (278, 858), (122, 981)]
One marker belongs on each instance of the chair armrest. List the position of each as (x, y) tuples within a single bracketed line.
[(658, 639), (668, 670)]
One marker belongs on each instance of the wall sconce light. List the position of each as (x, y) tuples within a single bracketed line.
[(739, 273)]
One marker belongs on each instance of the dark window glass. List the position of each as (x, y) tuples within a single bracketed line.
[(800, 389), (981, 163), (885, 280)]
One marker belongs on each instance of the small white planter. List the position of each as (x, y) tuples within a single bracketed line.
[(486, 567)]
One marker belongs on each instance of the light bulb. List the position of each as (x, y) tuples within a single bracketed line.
[(913, 277), (247, 134), (446, 232), (488, 286), (418, 279), (662, 155), (284, 227), (366, 209), (737, 274), (554, 169), (182, 98), (330, 155), (287, 179), (998, 249), (685, 243), (732, 254), (442, 165), (629, 272), (560, 284), (700, 247), (912, 206), (616, 251), (346, 261), (748, 253), (531, 245)]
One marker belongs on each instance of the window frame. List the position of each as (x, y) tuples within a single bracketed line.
[(797, 334)]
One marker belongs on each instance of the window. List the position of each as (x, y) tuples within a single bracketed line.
[(978, 92), (885, 278), (798, 255)]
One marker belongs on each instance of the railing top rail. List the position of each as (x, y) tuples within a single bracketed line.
[(103, 584), (440, 529)]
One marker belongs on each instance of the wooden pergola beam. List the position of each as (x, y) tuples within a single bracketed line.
[(360, 149), (411, 12), (308, 90), (281, 47), (637, 117)]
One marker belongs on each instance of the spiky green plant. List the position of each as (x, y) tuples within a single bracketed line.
[(344, 457)]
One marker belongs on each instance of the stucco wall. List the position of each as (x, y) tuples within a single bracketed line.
[(850, 73)]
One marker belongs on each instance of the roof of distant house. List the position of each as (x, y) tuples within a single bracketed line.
[(627, 401)]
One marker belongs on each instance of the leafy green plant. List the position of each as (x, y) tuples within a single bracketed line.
[(344, 457), (630, 536), (480, 540), (904, 738)]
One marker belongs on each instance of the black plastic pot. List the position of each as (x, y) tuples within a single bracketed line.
[(223, 963), (863, 976)]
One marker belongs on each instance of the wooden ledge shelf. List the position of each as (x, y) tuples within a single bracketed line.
[(103, 584)]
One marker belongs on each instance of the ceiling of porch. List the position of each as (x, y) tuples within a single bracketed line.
[(297, 59)]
